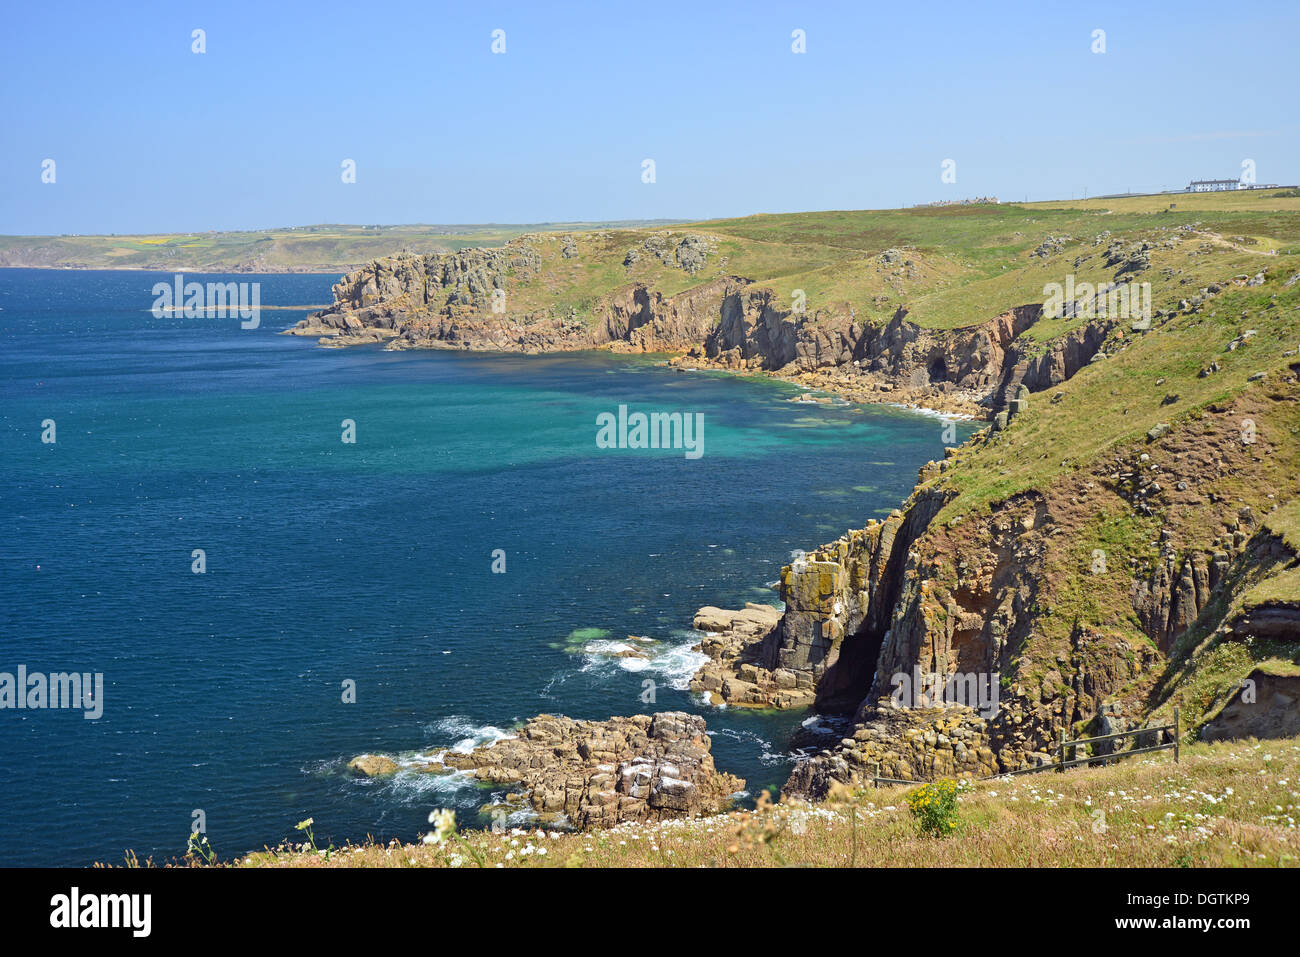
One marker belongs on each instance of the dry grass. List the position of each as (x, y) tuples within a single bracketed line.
[(1224, 804)]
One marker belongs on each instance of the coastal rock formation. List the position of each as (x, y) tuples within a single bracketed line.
[(740, 671), (970, 371), (372, 765), (917, 744), (1265, 706), (461, 301), (601, 773), (977, 596)]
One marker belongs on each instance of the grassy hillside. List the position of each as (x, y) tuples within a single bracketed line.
[(949, 266)]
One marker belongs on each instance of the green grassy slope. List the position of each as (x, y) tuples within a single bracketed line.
[(949, 266)]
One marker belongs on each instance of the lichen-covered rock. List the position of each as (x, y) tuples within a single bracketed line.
[(740, 670), (601, 773), (901, 744)]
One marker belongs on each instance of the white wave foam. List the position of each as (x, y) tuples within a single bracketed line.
[(932, 413), (467, 734), (674, 660), (417, 785), (768, 756), (608, 647), (678, 664)]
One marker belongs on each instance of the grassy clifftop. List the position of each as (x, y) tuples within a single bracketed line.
[(1225, 804), (950, 266)]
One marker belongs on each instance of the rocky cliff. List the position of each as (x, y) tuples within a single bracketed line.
[(983, 594), (463, 300)]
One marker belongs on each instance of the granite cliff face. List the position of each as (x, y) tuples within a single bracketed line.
[(460, 301), (976, 596)]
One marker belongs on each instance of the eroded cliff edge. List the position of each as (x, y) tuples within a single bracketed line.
[(1164, 572), (466, 301)]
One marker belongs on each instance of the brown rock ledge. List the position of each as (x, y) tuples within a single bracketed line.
[(601, 773), (739, 644)]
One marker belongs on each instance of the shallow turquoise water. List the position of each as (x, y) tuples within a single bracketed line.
[(369, 562)]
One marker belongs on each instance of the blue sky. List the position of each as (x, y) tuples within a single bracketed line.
[(149, 136)]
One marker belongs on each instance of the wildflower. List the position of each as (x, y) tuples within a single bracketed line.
[(444, 826)]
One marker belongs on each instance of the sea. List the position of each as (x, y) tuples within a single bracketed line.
[(184, 515)]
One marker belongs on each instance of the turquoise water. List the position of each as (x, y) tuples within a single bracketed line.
[(370, 562)]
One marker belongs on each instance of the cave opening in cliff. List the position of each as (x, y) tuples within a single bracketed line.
[(850, 678)]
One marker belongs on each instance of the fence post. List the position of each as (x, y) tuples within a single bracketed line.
[(1062, 749), (1178, 732)]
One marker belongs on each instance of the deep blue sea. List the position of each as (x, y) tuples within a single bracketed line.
[(370, 562)]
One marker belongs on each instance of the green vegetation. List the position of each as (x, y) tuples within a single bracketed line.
[(934, 806)]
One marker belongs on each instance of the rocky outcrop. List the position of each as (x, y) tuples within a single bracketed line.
[(917, 744), (639, 319), (689, 253), (1169, 602), (372, 765), (841, 600), (1038, 370), (971, 370), (461, 301), (601, 773), (1267, 705), (740, 668)]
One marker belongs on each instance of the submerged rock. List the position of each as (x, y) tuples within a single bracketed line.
[(372, 765)]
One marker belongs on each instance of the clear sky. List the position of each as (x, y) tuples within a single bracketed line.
[(147, 135)]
